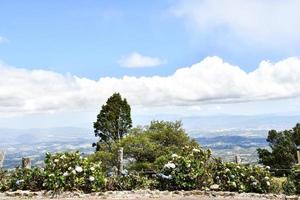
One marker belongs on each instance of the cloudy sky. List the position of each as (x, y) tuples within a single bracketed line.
[(60, 60)]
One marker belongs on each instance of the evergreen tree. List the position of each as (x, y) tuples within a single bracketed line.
[(283, 154), (113, 121)]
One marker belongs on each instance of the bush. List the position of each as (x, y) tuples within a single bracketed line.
[(4, 178), (243, 178), (131, 181), (69, 171), (26, 179), (188, 171), (292, 185)]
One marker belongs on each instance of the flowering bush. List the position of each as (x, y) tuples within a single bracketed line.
[(130, 181), (69, 171), (26, 179), (191, 170), (242, 178)]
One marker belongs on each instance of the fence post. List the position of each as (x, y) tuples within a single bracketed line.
[(2, 157), (120, 160), (26, 163), (237, 159)]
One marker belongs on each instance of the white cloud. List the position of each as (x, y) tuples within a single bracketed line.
[(264, 22), (136, 60), (211, 81), (3, 40)]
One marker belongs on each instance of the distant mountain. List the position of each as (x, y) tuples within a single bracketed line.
[(226, 135), (11, 136)]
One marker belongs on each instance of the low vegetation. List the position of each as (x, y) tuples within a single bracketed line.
[(159, 156)]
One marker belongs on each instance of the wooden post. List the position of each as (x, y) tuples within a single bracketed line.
[(237, 159), (26, 163), (2, 157), (298, 156), (120, 160)]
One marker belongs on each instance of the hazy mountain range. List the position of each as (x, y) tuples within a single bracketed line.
[(225, 135)]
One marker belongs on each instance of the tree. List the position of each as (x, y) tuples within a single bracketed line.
[(283, 145), (144, 147), (113, 121)]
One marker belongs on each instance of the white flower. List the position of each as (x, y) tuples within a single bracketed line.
[(196, 150), (227, 170), (51, 175), (170, 165), (18, 182), (267, 178), (174, 155), (78, 169), (92, 168), (62, 157), (91, 178), (73, 171), (70, 168), (56, 160), (268, 167), (188, 165), (268, 183), (66, 174), (254, 183)]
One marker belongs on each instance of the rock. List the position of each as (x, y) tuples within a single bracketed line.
[(214, 187)]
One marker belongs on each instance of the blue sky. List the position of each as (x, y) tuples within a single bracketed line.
[(93, 39), (87, 38)]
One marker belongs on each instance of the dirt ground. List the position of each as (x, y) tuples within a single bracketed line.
[(146, 195)]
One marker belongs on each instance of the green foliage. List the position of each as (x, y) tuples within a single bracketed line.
[(4, 180), (283, 146), (133, 180), (113, 121), (27, 179), (69, 171), (146, 145), (22, 179), (292, 185), (243, 178), (108, 159), (190, 170)]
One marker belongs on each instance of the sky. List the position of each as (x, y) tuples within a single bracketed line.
[(61, 60)]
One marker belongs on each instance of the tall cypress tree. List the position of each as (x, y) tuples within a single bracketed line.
[(113, 121)]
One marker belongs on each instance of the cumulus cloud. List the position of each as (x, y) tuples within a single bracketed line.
[(265, 22), (211, 81), (137, 60)]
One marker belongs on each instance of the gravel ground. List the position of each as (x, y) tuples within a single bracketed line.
[(145, 195)]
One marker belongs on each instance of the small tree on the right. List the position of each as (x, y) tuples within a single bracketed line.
[(282, 155)]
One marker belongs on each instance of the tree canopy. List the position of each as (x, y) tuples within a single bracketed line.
[(113, 121), (145, 146), (283, 150)]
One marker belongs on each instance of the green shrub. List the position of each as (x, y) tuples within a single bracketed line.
[(4, 180), (131, 181), (243, 178), (26, 179), (69, 171), (188, 171), (292, 185)]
